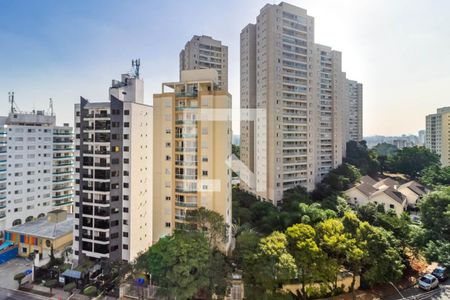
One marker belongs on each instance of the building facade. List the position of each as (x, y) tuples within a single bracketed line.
[(295, 90), (437, 136), (192, 143), (354, 114), (113, 211), (36, 167), (204, 52)]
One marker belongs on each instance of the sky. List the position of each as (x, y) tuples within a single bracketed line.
[(399, 50)]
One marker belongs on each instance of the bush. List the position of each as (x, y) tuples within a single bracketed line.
[(19, 277), (90, 291), (70, 287), (51, 284)]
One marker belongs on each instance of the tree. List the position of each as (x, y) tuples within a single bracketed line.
[(385, 149), (306, 252), (312, 214), (273, 263), (358, 155), (236, 150), (435, 213), (335, 242), (413, 160), (212, 224), (19, 277), (435, 176), (178, 264), (51, 284), (438, 251)]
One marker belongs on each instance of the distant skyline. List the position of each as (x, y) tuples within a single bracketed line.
[(64, 50)]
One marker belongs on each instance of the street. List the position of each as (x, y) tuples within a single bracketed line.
[(6, 294), (414, 293)]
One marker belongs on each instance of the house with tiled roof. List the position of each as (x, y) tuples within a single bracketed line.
[(387, 192)]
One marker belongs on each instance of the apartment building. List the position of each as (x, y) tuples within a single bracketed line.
[(295, 91), (113, 211), (437, 136), (204, 52), (355, 111), (36, 167), (192, 143)]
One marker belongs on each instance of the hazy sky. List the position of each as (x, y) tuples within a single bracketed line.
[(399, 50)]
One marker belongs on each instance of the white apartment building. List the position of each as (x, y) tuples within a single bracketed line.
[(437, 134), (113, 211), (355, 111), (204, 52), (36, 167), (192, 140), (298, 90)]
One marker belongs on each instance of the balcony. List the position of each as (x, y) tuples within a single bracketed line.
[(63, 203), (102, 115), (101, 224), (190, 107), (64, 149), (63, 196), (191, 94), (186, 122), (186, 135), (186, 149), (185, 176), (185, 163), (186, 204), (185, 190), (102, 164)]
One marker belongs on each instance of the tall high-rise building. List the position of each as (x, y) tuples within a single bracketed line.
[(192, 146), (354, 111), (204, 52), (114, 167), (437, 136), (36, 167), (421, 137), (295, 90)]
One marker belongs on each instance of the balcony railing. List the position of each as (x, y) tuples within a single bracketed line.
[(186, 135), (186, 149), (62, 196), (186, 94), (185, 191), (186, 204), (185, 176), (181, 108), (185, 163)]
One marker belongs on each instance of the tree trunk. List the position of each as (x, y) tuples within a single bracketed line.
[(353, 286)]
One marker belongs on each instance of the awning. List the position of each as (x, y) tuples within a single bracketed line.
[(72, 274)]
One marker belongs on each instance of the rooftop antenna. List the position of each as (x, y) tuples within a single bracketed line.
[(51, 107), (11, 101), (136, 63)]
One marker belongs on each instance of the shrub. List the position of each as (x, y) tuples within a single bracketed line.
[(19, 277), (51, 284), (70, 287), (90, 291)]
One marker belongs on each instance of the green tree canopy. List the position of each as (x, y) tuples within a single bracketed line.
[(359, 155), (413, 160), (385, 149), (178, 264), (434, 176)]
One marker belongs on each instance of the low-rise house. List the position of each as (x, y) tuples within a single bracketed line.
[(387, 192), (38, 237), (413, 191)]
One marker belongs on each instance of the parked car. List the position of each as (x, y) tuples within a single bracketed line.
[(441, 273), (428, 282)]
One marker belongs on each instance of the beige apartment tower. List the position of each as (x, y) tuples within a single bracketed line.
[(192, 142), (292, 102), (437, 136), (204, 52), (354, 120)]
